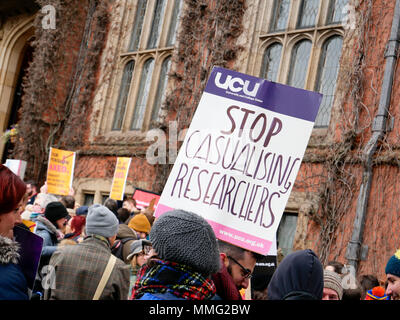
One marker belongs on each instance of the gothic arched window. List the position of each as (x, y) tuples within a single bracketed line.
[(327, 76)]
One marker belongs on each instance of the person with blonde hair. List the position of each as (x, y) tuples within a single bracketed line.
[(138, 256)]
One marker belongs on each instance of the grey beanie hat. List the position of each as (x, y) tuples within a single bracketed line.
[(186, 238), (101, 221), (333, 281)]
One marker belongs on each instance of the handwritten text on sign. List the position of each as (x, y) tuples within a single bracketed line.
[(119, 181), (60, 171), (241, 156)]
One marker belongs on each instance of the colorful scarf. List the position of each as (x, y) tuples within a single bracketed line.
[(180, 280)]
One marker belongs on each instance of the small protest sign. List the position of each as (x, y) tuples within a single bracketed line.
[(17, 166), (119, 180), (240, 157), (60, 171), (144, 198)]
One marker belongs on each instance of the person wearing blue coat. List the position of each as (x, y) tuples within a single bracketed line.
[(13, 284), (51, 227)]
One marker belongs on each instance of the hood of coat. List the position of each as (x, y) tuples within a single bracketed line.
[(299, 276), (125, 232), (45, 224), (8, 251)]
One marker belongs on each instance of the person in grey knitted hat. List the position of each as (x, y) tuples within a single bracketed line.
[(187, 238), (186, 256), (333, 289), (101, 221)]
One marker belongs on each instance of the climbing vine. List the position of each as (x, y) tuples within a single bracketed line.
[(207, 38), (60, 81), (343, 161)]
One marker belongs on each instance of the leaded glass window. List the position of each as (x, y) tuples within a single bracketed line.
[(162, 84), (327, 76), (88, 199), (308, 13), (156, 24), (280, 15), (144, 91), (299, 64), (271, 60), (138, 25), (286, 232), (174, 23), (336, 11), (123, 95), (145, 36)]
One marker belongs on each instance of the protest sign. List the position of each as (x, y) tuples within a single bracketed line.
[(143, 198), (119, 180), (240, 157), (60, 171), (30, 250), (16, 166)]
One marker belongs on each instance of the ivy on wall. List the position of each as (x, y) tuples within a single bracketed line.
[(208, 35), (60, 81)]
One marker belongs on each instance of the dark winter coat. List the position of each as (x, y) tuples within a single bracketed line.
[(13, 285), (126, 235), (298, 277)]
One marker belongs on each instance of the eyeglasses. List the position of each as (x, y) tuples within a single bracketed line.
[(246, 272)]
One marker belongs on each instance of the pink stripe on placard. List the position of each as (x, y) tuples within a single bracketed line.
[(240, 239), (233, 236), (162, 209)]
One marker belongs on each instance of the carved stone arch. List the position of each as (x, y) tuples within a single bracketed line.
[(323, 37), (300, 37), (290, 50), (14, 44)]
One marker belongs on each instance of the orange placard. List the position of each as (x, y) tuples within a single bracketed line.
[(60, 171), (119, 180)]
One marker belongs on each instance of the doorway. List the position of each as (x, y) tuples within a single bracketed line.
[(27, 54)]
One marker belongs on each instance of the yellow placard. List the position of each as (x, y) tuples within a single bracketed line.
[(60, 171), (119, 180)]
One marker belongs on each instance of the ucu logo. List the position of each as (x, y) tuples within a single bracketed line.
[(236, 85)]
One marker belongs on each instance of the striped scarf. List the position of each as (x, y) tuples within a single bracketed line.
[(180, 280)]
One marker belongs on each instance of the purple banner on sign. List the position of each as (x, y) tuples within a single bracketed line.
[(272, 96), (30, 251)]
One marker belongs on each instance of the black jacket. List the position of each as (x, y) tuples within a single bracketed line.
[(299, 276)]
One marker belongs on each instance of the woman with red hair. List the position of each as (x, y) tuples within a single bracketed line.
[(13, 285), (75, 228)]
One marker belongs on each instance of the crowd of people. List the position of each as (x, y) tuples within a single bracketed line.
[(115, 251)]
